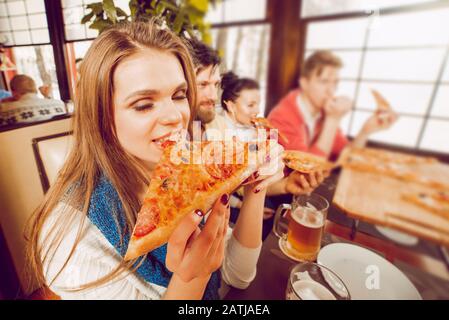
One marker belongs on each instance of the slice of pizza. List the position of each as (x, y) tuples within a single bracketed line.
[(264, 123), (382, 103), (305, 162), (189, 177), (434, 201)]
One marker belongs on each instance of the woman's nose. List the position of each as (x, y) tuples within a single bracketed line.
[(170, 114)]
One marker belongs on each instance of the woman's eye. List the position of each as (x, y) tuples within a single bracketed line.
[(180, 95), (143, 107)]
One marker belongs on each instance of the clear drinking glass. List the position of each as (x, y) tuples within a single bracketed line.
[(312, 281)]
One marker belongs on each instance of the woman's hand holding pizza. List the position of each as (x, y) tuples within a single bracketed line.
[(196, 253), (300, 183), (270, 172)]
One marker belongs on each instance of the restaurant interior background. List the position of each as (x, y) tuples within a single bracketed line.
[(399, 47)]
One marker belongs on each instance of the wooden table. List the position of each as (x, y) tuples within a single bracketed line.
[(429, 275)]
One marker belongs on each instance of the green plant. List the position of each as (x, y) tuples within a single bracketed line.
[(181, 16)]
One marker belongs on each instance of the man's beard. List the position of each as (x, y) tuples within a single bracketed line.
[(205, 113)]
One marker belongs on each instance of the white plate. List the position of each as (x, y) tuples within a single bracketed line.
[(398, 237), (367, 275)]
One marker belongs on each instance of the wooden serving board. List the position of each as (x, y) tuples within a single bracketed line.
[(376, 198)]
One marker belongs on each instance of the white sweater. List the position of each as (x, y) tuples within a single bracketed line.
[(95, 257)]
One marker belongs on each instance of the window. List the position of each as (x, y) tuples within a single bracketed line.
[(245, 51), (434, 139), (74, 10), (23, 25), (402, 55), (24, 31), (312, 8), (236, 11), (38, 63), (23, 22)]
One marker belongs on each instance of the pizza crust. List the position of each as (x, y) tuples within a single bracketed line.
[(305, 162), (428, 202)]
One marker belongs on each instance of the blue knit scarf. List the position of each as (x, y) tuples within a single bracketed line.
[(106, 212)]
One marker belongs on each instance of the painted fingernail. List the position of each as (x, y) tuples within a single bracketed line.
[(246, 181), (199, 213), (256, 191), (225, 199), (256, 175)]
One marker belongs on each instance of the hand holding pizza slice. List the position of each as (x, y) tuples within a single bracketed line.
[(305, 162), (189, 177)]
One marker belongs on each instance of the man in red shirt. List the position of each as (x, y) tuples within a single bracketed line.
[(310, 116)]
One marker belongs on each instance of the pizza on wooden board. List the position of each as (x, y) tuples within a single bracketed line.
[(434, 201), (305, 162), (371, 154), (393, 164), (189, 177)]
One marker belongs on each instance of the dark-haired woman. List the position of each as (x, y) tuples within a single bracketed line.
[(240, 100)]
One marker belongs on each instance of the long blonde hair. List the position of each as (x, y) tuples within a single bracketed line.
[(96, 150)]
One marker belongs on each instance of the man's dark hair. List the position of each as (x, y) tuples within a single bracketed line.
[(203, 56)]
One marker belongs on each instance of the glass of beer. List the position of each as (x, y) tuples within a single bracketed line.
[(312, 281), (300, 225)]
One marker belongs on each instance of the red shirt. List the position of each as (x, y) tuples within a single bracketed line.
[(289, 120)]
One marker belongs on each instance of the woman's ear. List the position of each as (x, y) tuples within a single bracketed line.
[(231, 108)]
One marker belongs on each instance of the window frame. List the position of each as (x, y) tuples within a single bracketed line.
[(53, 14), (438, 4)]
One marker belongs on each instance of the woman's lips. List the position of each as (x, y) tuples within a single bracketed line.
[(174, 136)]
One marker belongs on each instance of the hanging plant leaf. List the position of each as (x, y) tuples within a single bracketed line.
[(181, 16), (96, 7), (100, 25), (133, 7), (179, 20), (121, 13), (109, 9), (200, 5), (87, 17)]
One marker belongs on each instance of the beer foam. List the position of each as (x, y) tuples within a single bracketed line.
[(312, 290), (308, 217)]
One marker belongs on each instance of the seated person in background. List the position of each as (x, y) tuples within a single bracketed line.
[(207, 77), (310, 117), (4, 94), (27, 105), (240, 101)]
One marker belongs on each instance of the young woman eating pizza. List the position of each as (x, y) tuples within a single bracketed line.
[(136, 88)]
